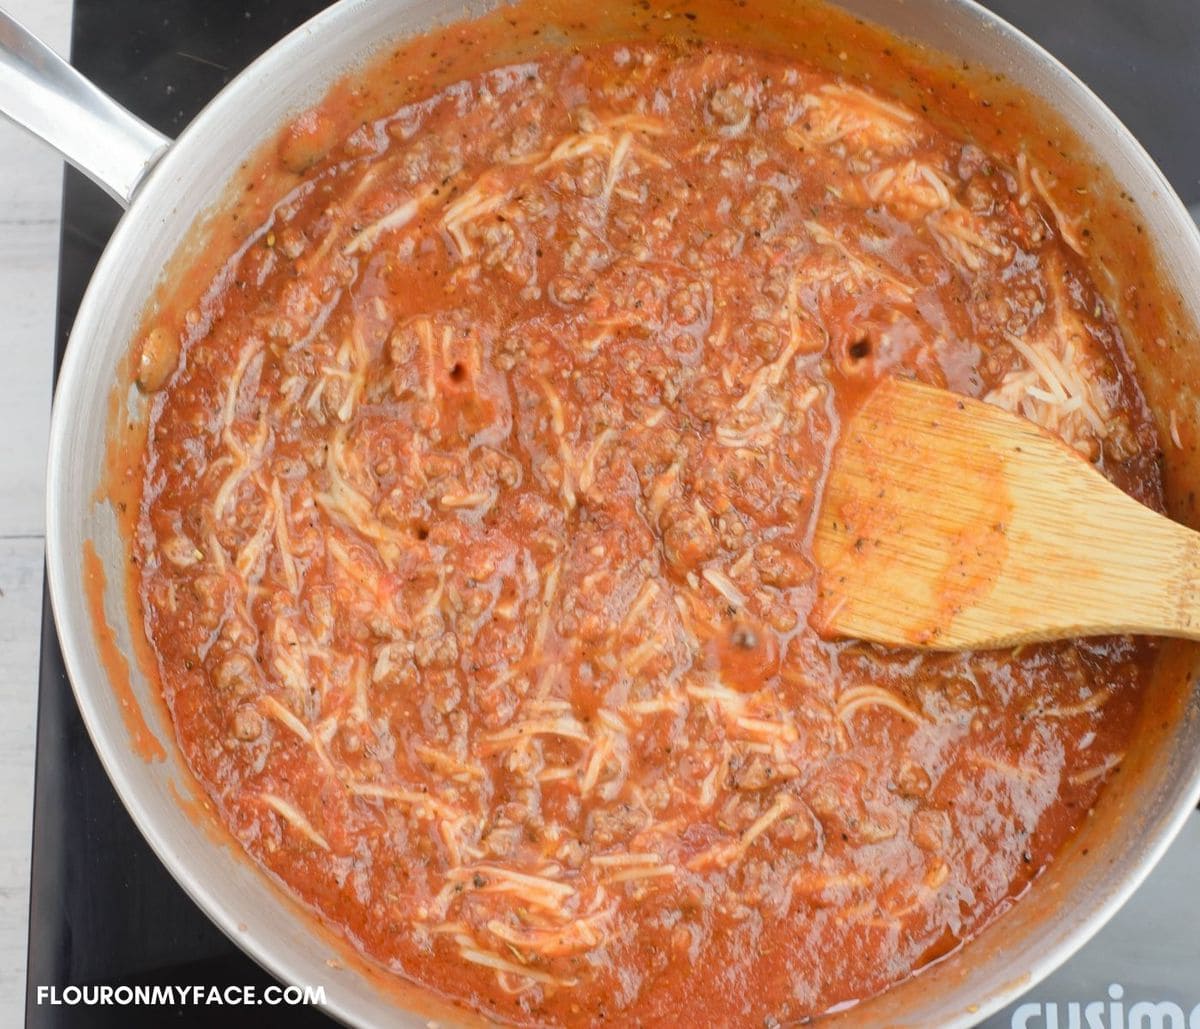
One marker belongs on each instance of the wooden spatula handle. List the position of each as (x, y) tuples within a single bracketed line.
[(949, 524), (1121, 568)]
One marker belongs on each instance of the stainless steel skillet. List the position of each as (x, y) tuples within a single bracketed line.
[(167, 185)]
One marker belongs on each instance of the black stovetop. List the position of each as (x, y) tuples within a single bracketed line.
[(103, 910)]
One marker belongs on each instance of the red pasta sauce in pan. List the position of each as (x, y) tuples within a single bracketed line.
[(474, 538)]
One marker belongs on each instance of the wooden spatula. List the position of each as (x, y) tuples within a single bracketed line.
[(950, 524)]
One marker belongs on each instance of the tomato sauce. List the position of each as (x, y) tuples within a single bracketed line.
[(474, 539), (145, 744)]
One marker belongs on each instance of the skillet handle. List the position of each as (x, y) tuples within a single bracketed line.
[(44, 94)]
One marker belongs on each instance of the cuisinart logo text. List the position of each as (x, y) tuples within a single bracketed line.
[(1106, 1014)]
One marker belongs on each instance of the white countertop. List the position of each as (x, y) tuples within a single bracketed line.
[(30, 196)]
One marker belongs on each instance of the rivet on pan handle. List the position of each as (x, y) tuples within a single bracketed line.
[(44, 94)]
